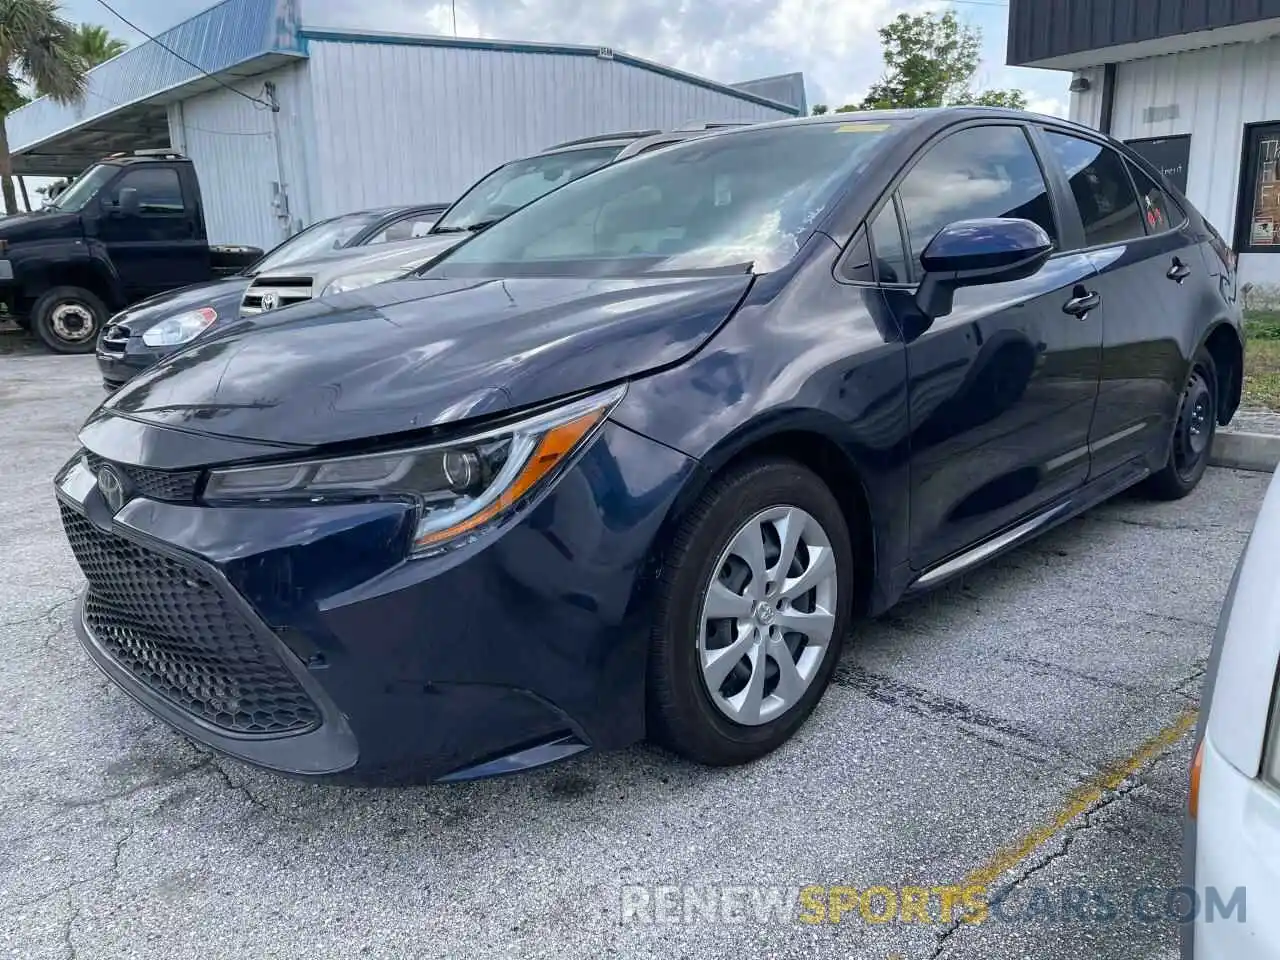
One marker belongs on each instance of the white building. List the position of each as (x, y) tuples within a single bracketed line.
[(363, 119), (1192, 84)]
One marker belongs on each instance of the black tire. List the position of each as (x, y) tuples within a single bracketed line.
[(681, 713), (68, 319), (1193, 433)]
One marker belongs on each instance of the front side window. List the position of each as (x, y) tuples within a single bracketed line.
[(977, 173), (737, 201), (159, 190), (518, 184), (1100, 183)]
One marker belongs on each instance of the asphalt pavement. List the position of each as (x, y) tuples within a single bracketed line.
[(1022, 733)]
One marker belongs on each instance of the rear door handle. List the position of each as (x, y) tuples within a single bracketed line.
[(1179, 271), (1082, 302)]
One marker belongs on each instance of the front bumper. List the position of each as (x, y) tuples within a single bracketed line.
[(520, 648), (120, 365)]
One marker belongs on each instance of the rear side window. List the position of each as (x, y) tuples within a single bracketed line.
[(976, 173), (1102, 189), (1158, 209)]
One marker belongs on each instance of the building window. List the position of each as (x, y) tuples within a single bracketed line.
[(1258, 216)]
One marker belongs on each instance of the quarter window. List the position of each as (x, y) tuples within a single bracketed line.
[(977, 173), (1157, 209), (886, 238), (1102, 189)]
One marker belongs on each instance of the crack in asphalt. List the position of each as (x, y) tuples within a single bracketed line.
[(40, 617)]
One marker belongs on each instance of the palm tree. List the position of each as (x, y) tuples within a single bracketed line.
[(96, 45), (37, 45)]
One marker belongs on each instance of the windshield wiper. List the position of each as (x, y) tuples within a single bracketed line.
[(450, 229)]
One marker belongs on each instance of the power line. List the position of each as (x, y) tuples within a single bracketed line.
[(163, 46)]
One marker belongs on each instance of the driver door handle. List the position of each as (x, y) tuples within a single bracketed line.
[(1081, 302), (1179, 271)]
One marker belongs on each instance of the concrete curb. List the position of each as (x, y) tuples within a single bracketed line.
[(1246, 451)]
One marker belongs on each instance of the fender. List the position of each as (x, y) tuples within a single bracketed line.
[(44, 264), (1230, 386)]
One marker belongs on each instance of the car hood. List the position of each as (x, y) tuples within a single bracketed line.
[(26, 227), (410, 355), (223, 295), (400, 255)]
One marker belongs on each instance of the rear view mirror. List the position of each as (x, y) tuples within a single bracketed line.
[(969, 253)]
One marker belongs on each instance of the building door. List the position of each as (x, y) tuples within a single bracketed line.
[(1258, 213)]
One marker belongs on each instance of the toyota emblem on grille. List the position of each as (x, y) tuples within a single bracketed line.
[(112, 486), (270, 301)]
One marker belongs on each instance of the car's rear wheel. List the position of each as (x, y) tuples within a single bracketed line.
[(68, 319), (753, 610), (1193, 433)]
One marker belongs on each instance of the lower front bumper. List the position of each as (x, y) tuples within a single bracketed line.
[(119, 368), (519, 649)]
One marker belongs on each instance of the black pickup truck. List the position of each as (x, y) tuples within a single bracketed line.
[(129, 227)]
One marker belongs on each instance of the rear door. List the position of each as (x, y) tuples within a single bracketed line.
[(1140, 242), (159, 247), (1002, 390)]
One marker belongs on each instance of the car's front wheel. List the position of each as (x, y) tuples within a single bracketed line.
[(754, 605), (68, 319)]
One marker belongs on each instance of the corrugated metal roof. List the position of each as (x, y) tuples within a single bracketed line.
[(336, 35), (225, 36), (784, 88)]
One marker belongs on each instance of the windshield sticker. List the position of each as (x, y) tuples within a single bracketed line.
[(863, 128)]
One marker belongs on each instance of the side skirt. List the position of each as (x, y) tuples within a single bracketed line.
[(1059, 511)]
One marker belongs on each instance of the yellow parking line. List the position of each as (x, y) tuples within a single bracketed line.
[(1080, 801)]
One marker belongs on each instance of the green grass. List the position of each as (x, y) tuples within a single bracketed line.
[(1262, 359)]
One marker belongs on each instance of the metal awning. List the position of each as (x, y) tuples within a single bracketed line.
[(126, 101)]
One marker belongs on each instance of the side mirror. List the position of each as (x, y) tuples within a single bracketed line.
[(127, 202), (970, 253)]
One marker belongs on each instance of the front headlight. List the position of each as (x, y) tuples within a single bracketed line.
[(460, 487), (180, 328), (357, 280)]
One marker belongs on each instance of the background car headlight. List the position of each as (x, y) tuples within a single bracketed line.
[(180, 328), (357, 280), (460, 487)]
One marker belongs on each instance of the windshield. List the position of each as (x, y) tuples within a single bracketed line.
[(733, 201), (75, 197), (513, 186), (318, 239)]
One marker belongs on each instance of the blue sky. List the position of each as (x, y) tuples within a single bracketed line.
[(834, 42)]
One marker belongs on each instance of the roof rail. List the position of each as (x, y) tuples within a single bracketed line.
[(601, 137), (711, 125), (166, 153)]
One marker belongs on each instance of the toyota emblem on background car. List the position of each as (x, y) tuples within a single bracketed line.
[(112, 487), (270, 301)]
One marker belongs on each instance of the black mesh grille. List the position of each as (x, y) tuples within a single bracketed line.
[(174, 631), (171, 485)]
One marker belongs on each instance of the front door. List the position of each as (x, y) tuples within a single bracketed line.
[(158, 247), (1002, 390), (1147, 265)]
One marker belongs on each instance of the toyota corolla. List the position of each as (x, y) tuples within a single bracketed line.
[(632, 461)]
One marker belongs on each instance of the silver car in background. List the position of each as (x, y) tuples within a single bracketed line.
[(496, 195)]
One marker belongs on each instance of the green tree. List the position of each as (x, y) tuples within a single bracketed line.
[(819, 109), (36, 45), (930, 61), (95, 45)]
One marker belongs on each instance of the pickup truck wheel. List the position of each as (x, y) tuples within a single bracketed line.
[(68, 319)]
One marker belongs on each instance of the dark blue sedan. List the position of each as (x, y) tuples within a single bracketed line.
[(145, 333), (632, 462)]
